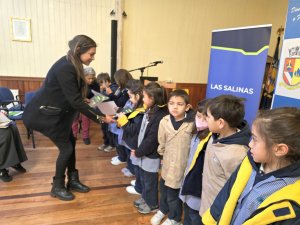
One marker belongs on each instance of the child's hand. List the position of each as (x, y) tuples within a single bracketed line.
[(132, 152), (108, 119), (108, 90), (119, 115)]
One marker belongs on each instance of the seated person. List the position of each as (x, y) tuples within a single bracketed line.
[(12, 152)]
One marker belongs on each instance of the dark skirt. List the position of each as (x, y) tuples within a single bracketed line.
[(11, 148)]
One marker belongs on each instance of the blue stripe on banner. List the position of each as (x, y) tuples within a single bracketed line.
[(281, 101)]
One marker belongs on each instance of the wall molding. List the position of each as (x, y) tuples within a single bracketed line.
[(24, 84)]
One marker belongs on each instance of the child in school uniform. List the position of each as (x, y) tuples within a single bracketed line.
[(89, 75), (190, 192), (264, 189), (130, 124), (154, 97), (121, 99), (108, 89), (227, 147), (174, 137)]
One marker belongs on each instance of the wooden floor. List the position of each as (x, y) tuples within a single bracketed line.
[(26, 199)]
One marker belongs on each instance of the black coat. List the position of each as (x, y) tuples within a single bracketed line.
[(54, 106), (131, 130), (149, 145), (11, 148)]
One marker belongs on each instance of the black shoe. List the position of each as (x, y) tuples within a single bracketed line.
[(19, 168), (86, 141), (5, 176), (77, 186), (62, 194), (59, 190), (74, 183)]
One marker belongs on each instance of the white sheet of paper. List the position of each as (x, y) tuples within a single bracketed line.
[(3, 118), (95, 92), (108, 108)]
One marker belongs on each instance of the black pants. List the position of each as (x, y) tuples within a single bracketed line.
[(149, 183), (191, 216), (107, 135), (170, 203), (104, 128), (66, 158), (121, 150), (138, 184), (129, 163)]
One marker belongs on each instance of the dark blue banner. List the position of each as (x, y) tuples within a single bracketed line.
[(237, 64)]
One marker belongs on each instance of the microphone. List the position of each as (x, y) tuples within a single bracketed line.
[(157, 62)]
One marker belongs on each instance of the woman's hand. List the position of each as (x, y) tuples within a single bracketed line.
[(86, 100), (4, 112)]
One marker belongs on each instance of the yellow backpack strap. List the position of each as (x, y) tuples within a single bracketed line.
[(199, 149), (124, 119), (136, 112), (207, 218), (239, 185)]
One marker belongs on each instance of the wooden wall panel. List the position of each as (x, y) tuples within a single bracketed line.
[(23, 84), (196, 91)]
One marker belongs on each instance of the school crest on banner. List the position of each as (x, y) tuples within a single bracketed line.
[(291, 73)]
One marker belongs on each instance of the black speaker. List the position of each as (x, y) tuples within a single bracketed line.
[(142, 79), (113, 49)]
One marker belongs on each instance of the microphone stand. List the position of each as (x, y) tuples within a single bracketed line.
[(143, 68)]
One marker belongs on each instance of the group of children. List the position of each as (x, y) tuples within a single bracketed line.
[(213, 169)]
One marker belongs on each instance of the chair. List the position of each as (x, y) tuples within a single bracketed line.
[(28, 97), (17, 115), (7, 98)]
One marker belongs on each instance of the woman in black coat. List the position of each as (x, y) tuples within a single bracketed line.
[(54, 106)]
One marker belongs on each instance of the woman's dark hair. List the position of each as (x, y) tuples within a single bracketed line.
[(136, 88), (79, 45), (121, 77), (281, 125)]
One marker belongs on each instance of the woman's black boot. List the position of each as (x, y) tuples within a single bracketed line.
[(59, 190), (74, 183)]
